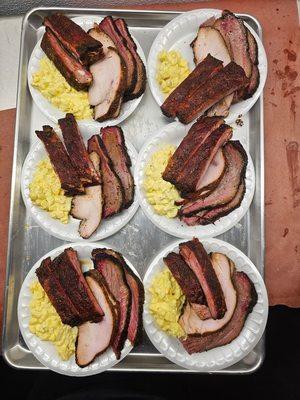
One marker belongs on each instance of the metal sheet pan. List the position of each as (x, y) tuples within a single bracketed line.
[(139, 240)]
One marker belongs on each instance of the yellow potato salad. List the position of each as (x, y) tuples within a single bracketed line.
[(46, 323), (172, 69), (160, 193), (45, 191), (52, 85), (166, 303)]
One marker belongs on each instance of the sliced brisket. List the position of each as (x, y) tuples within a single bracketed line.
[(185, 278), (246, 300), (235, 35), (74, 72), (115, 278), (141, 81), (109, 27), (226, 81), (185, 91), (82, 46), (113, 192), (198, 260), (236, 161), (210, 216), (77, 151), (114, 142), (60, 160), (58, 297)]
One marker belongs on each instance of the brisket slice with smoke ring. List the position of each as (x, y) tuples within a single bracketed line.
[(224, 82), (189, 179), (109, 27), (74, 39), (235, 35), (205, 217), (246, 300), (197, 259), (60, 160), (57, 296), (77, 151), (112, 189), (199, 131), (113, 139), (185, 91), (114, 275), (140, 85), (75, 73), (236, 160)]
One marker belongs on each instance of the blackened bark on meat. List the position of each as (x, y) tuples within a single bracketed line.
[(114, 275), (185, 91), (75, 73), (114, 142), (82, 46), (226, 81), (57, 296), (113, 192), (198, 260), (109, 27), (141, 81), (199, 131), (68, 271), (60, 160), (77, 151), (185, 278), (246, 300)]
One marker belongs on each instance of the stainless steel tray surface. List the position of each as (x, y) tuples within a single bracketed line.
[(139, 240)]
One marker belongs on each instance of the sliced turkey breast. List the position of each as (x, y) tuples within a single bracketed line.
[(210, 41), (190, 321), (94, 338), (109, 80), (214, 172), (102, 37), (88, 207)]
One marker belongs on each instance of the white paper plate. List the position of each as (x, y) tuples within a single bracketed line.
[(219, 357), (54, 113), (45, 351), (173, 134), (178, 34), (69, 231)]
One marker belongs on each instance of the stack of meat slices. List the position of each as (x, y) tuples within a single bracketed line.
[(104, 61), (98, 177), (106, 303), (121, 75), (209, 171), (226, 58), (218, 298)]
